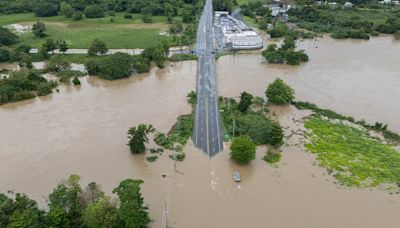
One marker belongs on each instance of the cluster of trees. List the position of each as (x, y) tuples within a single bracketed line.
[(121, 65), (71, 206), (23, 85), (343, 24), (76, 9), (247, 121), (258, 12), (285, 54)]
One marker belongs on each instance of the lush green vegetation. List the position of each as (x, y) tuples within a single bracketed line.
[(272, 157), (359, 22), (254, 122), (353, 156), (138, 137), (115, 66), (182, 57), (285, 54), (118, 23), (23, 85), (71, 206), (278, 92), (379, 127), (243, 150)]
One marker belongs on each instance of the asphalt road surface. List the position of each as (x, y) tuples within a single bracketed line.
[(207, 133)]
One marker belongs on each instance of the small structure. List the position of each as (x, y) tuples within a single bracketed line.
[(236, 176)]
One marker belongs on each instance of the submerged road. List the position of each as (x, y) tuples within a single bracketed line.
[(207, 133)]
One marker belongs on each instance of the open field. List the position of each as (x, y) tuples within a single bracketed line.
[(119, 33)]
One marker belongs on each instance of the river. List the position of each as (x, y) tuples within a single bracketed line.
[(82, 130)]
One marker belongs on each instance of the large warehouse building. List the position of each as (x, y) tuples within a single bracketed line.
[(234, 34)]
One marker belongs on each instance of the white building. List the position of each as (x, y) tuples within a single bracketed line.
[(235, 34)]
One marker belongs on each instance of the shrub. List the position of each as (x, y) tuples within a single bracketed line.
[(94, 11), (128, 16), (58, 64), (278, 92), (77, 16), (272, 157), (243, 150), (4, 55), (152, 158), (92, 66), (7, 37), (76, 81)]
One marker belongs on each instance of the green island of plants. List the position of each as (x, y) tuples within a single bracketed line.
[(23, 85), (352, 155)]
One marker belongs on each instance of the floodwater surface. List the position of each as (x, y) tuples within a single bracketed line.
[(83, 130)]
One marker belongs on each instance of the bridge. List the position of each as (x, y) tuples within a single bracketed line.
[(207, 132)]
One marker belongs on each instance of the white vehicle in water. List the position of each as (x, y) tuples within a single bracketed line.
[(236, 176)]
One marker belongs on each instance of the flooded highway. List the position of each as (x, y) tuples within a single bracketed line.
[(83, 130)]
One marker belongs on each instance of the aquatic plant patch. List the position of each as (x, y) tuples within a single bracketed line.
[(354, 157)]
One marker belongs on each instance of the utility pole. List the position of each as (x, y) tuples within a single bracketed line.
[(164, 223), (233, 126)]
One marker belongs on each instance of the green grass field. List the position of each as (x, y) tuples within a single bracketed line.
[(355, 158), (121, 33)]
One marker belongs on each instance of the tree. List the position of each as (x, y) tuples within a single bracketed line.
[(45, 9), (246, 99), (94, 11), (115, 66), (66, 10), (49, 45), (146, 12), (132, 212), (243, 150), (275, 134), (65, 204), (97, 47), (278, 92), (7, 37), (39, 29), (191, 97), (63, 46), (138, 137), (102, 213), (19, 212)]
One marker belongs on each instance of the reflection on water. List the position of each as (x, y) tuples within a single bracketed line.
[(82, 130)]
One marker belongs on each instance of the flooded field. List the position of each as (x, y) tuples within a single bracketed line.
[(352, 77), (82, 130)]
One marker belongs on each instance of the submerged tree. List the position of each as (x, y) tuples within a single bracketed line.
[(132, 212), (191, 97), (278, 92), (138, 137), (243, 150), (246, 99)]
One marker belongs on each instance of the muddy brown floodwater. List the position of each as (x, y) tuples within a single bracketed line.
[(82, 130)]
